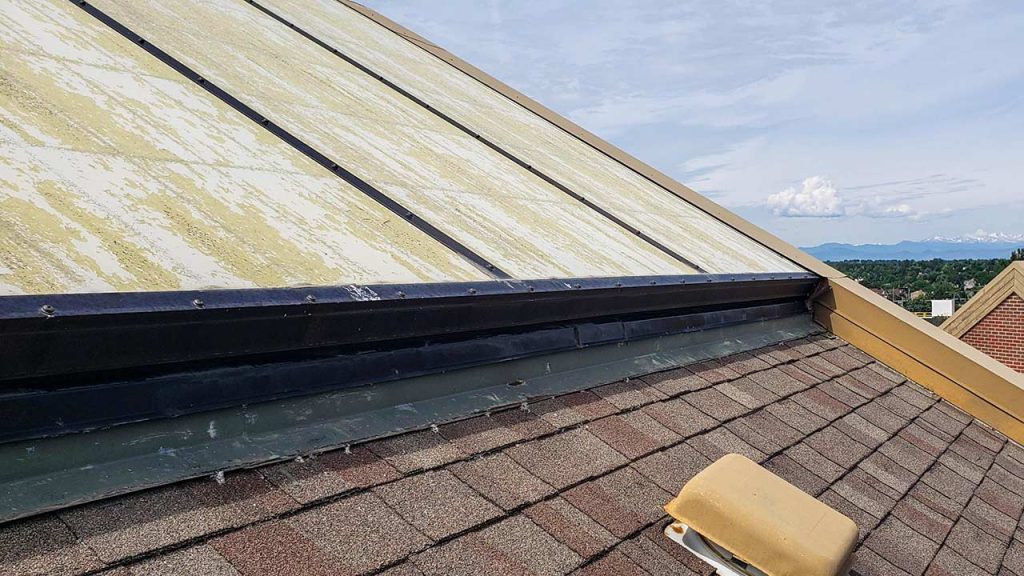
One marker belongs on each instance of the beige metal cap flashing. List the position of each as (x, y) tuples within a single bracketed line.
[(762, 520)]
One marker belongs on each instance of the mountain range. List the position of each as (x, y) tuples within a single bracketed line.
[(979, 245)]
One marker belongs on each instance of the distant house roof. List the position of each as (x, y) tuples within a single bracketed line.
[(1009, 282), (993, 320), (575, 484)]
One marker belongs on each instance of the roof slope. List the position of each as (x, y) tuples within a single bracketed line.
[(244, 150), (575, 484), (1009, 282)]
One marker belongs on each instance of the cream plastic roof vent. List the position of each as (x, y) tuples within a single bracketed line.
[(746, 521)]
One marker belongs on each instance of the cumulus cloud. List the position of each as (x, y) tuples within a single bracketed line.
[(816, 198)]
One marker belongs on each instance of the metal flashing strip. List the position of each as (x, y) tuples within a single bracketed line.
[(42, 475), (49, 339), (479, 137), (294, 141), (75, 409)]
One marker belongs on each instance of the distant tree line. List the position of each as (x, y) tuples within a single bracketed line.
[(902, 280)]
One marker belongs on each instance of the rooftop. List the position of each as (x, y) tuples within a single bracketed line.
[(576, 484)]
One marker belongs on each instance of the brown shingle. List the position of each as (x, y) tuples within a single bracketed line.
[(887, 373), (936, 501), (949, 483), (887, 471), (837, 447), (566, 458), (437, 503), (840, 359), (329, 474), (672, 468), (273, 548), (613, 563), (985, 436), (855, 426), (796, 416), (914, 395), (654, 558), (787, 468), (360, 533), (878, 415), (43, 545), (134, 524), (771, 427), (793, 371), (502, 481), (961, 466), (572, 409), (864, 496), (902, 546), (675, 382), (868, 563), (714, 403), (873, 379), (513, 546), (843, 393), (924, 440), (681, 417), (744, 363), (721, 441), (200, 559), (977, 546), (633, 434), (992, 521), (949, 563), (623, 501), (713, 371), (747, 392), (865, 522), (763, 441), (522, 423), (416, 450), (821, 404), (629, 393), (972, 452), (777, 354), (925, 521), (570, 526), (909, 456), (778, 382), (1000, 498), (479, 434), (810, 458)]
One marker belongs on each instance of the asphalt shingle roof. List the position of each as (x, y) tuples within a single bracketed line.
[(575, 484)]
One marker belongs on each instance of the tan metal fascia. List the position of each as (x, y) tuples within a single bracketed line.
[(962, 375), (959, 373), (1009, 281)]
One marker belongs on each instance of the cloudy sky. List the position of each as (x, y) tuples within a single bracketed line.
[(821, 121)]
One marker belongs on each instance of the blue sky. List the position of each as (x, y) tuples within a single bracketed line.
[(821, 121)]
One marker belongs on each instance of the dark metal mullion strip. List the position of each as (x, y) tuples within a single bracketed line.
[(296, 143), (482, 139)]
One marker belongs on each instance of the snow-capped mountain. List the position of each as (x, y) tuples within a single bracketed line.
[(980, 236), (978, 245)]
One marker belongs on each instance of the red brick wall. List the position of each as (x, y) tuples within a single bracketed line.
[(1001, 333)]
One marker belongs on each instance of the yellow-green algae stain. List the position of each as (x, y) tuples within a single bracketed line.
[(118, 174)]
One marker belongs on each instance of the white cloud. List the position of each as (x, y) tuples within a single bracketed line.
[(816, 198)]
